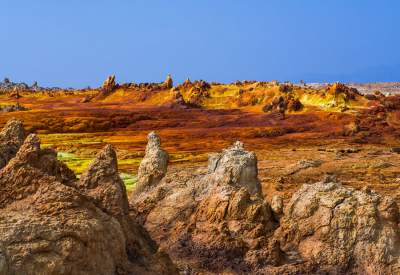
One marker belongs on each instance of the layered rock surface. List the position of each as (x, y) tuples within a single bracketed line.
[(52, 224)]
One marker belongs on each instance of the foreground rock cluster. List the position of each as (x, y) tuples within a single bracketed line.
[(216, 220), (52, 223), (207, 221)]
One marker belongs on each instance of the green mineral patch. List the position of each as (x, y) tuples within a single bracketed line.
[(74, 162), (129, 180)]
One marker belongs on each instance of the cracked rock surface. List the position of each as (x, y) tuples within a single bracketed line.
[(341, 229)]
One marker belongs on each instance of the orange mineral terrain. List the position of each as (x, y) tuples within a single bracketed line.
[(303, 186)]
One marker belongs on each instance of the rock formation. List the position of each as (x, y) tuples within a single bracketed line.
[(109, 84), (277, 206), (212, 220), (102, 183), (169, 83), (108, 87), (154, 165), (11, 138), (341, 230), (177, 100), (282, 104), (52, 224), (235, 166), (216, 220)]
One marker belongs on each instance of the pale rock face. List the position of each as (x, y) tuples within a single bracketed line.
[(11, 138), (342, 229), (154, 165), (235, 166), (277, 205)]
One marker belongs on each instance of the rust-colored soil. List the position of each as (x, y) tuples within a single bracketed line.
[(352, 135)]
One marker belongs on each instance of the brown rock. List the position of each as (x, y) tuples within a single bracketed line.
[(169, 83), (217, 220), (11, 138), (109, 84), (48, 226), (101, 181), (154, 165), (342, 230), (277, 205), (283, 104)]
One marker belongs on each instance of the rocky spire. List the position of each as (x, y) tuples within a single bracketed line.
[(102, 182), (13, 132), (169, 83), (154, 165), (11, 138), (109, 84)]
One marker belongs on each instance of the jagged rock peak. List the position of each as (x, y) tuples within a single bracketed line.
[(169, 83), (44, 160), (153, 142), (102, 182), (154, 165), (31, 144), (237, 146), (109, 83), (104, 165), (28, 151), (13, 131), (235, 166), (11, 138)]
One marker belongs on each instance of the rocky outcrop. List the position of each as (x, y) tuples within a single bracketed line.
[(177, 101), (9, 86), (283, 104), (154, 165), (217, 220), (109, 84), (12, 108), (235, 166), (168, 83), (101, 182), (342, 230), (52, 224), (108, 87), (11, 138), (277, 206)]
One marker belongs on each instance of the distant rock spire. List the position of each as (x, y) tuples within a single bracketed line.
[(169, 83)]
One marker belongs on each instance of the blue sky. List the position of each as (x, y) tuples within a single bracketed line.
[(79, 42)]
